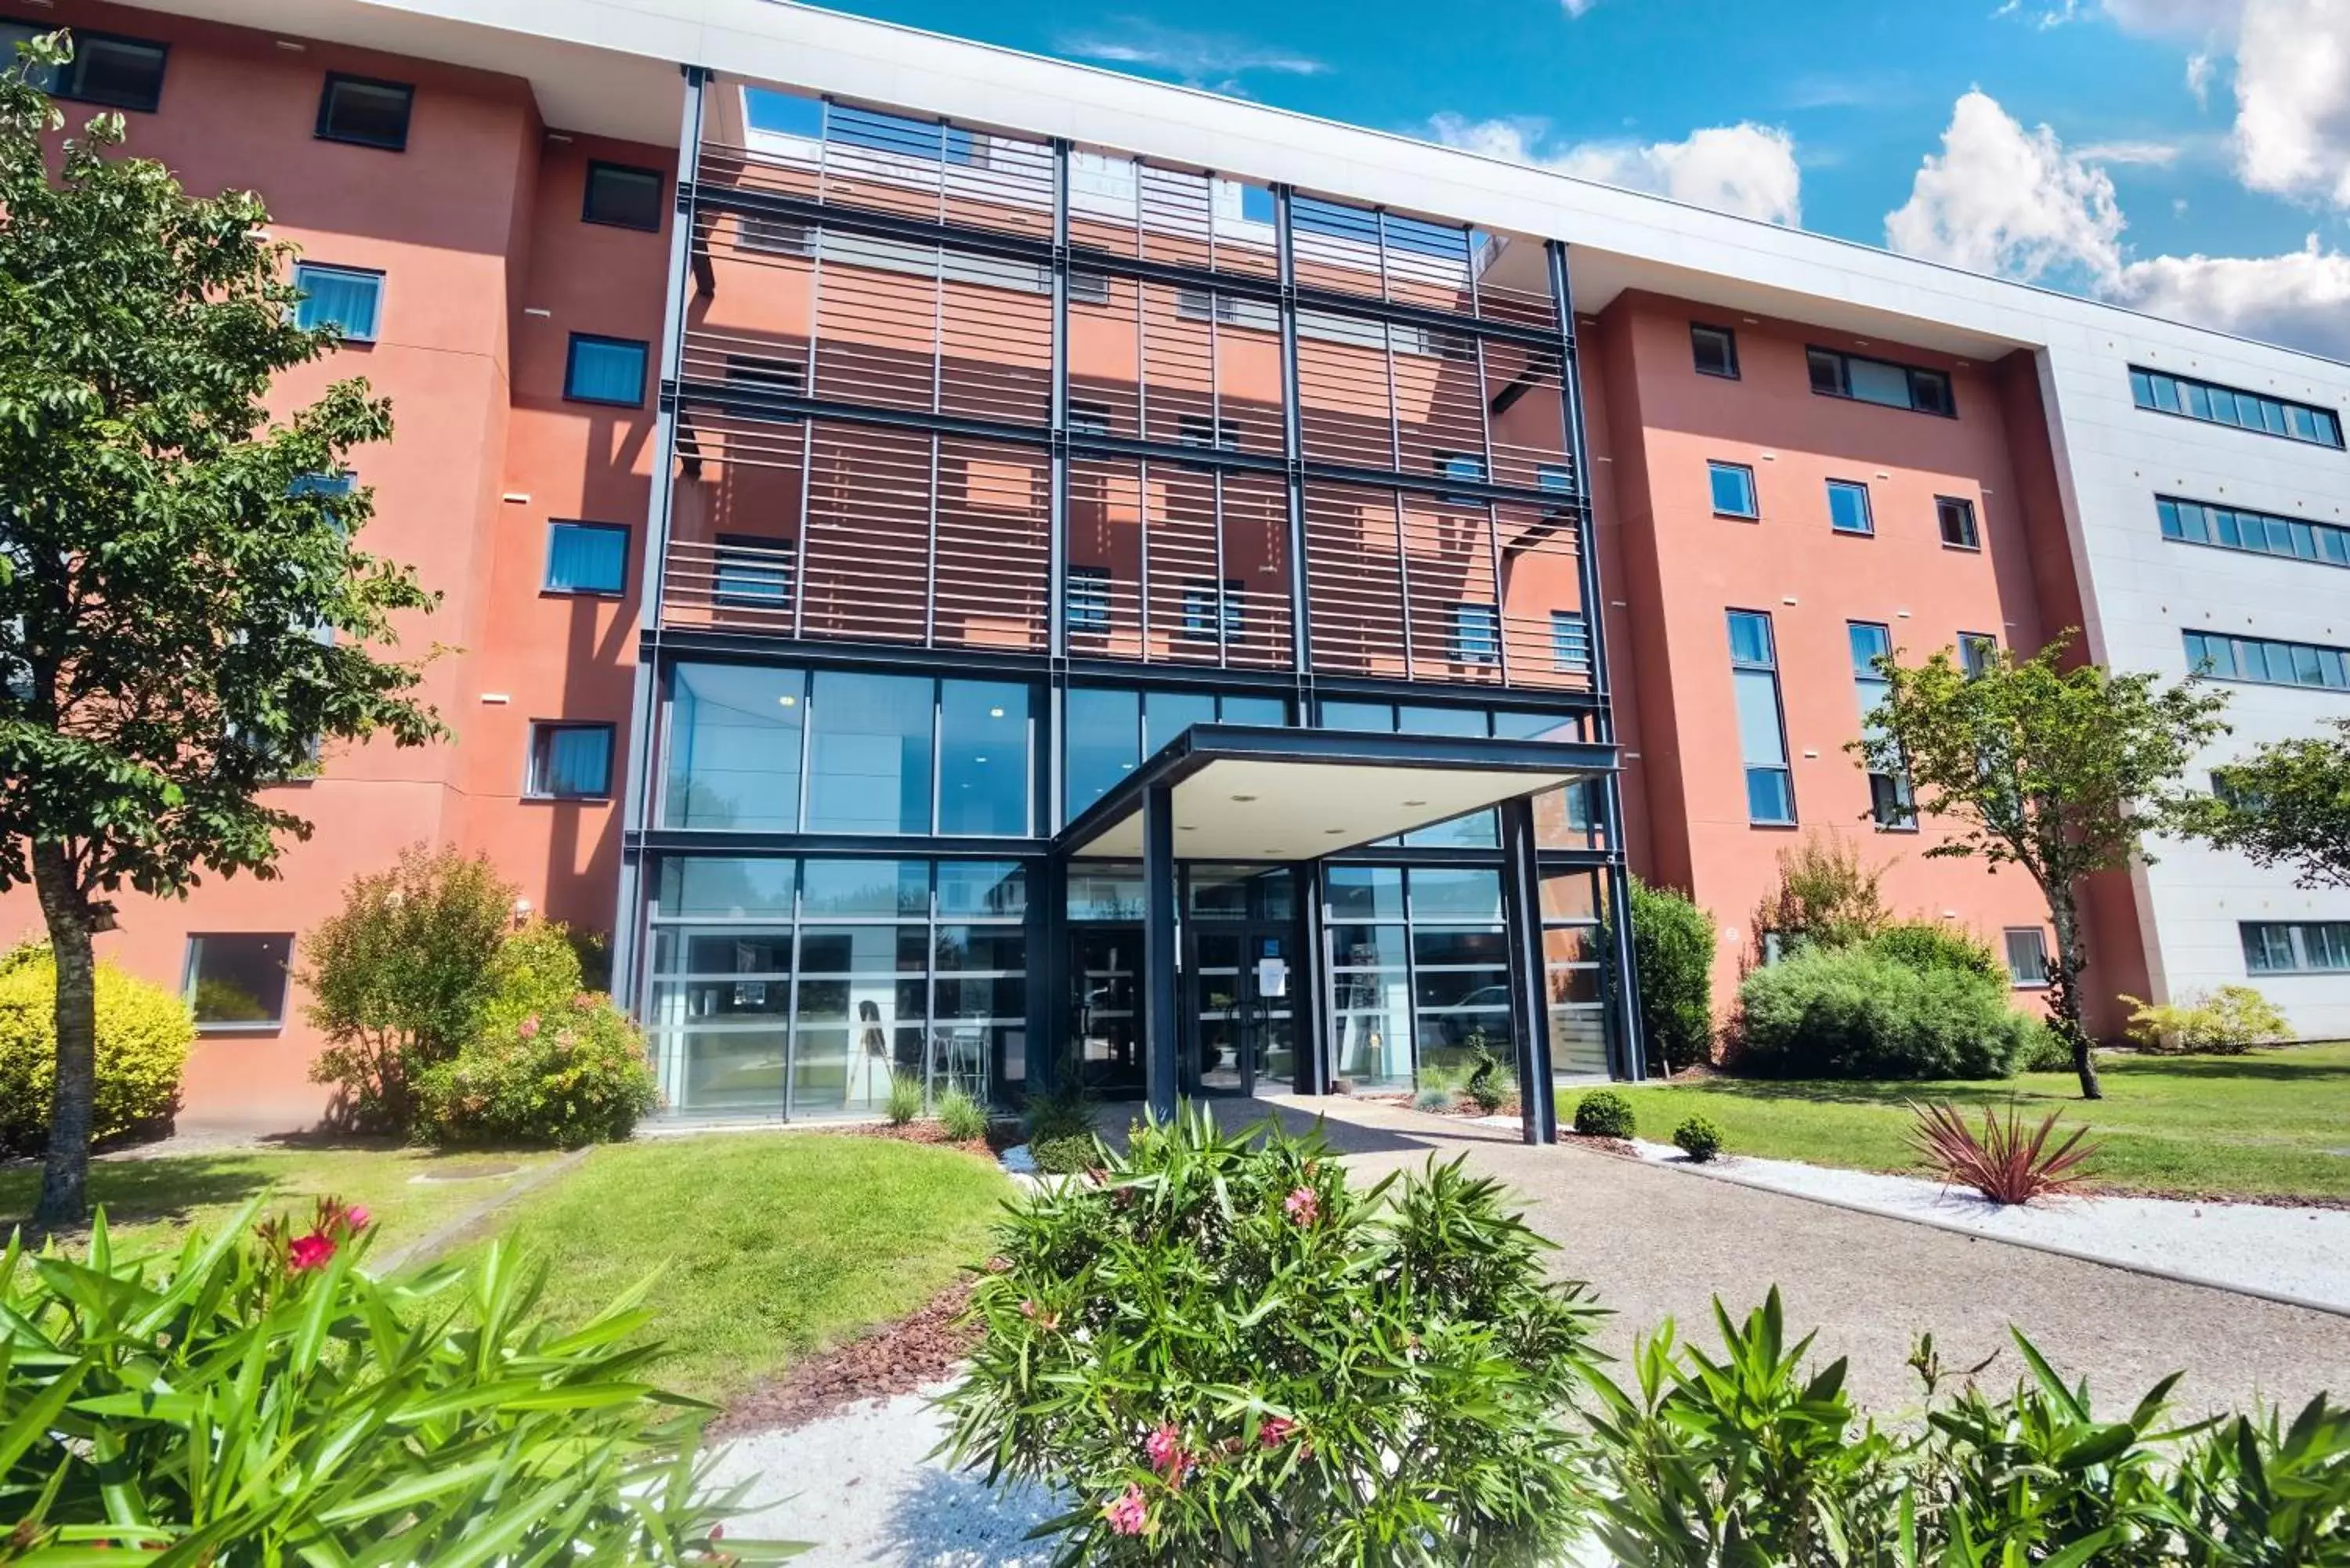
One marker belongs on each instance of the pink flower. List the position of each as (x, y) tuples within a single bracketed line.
[(1127, 1515), (1166, 1451), (1274, 1430), (356, 1216), (1305, 1205), (311, 1252), (529, 1027)]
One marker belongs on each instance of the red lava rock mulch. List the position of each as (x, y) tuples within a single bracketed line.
[(898, 1358), (922, 1132)]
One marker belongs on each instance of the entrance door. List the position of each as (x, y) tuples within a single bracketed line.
[(1106, 1007), (1240, 986)]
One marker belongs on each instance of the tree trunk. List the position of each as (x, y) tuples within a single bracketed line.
[(2065, 991), (64, 1202)]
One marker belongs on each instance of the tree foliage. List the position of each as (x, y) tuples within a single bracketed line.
[(1826, 894), (2286, 805), (1672, 953), (185, 612), (2060, 772)]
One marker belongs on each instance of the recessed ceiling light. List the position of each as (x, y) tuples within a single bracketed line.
[(789, 702), (995, 713)]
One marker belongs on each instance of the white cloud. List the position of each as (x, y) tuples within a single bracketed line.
[(2175, 19), (1576, 9), (2293, 99), (1998, 198), (2161, 154), (2001, 199), (1199, 60), (1746, 169), (2199, 78)]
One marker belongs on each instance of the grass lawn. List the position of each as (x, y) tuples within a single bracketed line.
[(770, 1244), (2273, 1124), (149, 1203)]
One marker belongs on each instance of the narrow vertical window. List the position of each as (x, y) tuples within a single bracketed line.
[(1570, 643), (1849, 507), (1476, 634), (1762, 728), (2027, 958), (1890, 805), (1086, 603)]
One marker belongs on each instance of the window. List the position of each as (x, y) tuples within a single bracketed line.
[(1570, 643), (1461, 465), (365, 112), (348, 299), (237, 980), (586, 557), (1200, 614), (1715, 349), (1733, 490), (1956, 519), (2264, 662), (753, 572), (1088, 288), (605, 370), (328, 485), (570, 761), (1108, 731), (2215, 404), (1088, 418), (983, 782), (2232, 528), (1867, 380), (1476, 634), (107, 70), (773, 236), (2027, 958), (1199, 429), (1762, 728), (869, 754), (1085, 600), (622, 196), (1978, 651), (766, 373), (1891, 804), (2296, 947), (731, 736), (1849, 507)]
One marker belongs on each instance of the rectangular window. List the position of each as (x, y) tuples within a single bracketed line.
[(766, 373), (1849, 507), (1867, 380), (1715, 350), (1462, 465), (1570, 643), (348, 299), (586, 557), (2296, 947), (2027, 957), (983, 786), (1086, 601), (1476, 634), (622, 196), (1200, 610), (605, 370), (570, 761), (1889, 800), (1955, 518), (1088, 418), (1199, 429), (2256, 533), (774, 236), (1762, 728), (1088, 288), (365, 112), (107, 70), (2215, 404), (731, 736), (869, 754), (753, 572), (1733, 490), (2265, 661), (1976, 651), (236, 980)]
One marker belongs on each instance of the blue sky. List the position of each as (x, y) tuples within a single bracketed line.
[(2178, 155)]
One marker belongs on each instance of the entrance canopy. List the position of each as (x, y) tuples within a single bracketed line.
[(1244, 793)]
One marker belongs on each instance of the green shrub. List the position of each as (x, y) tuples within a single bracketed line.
[(2228, 1021), (1066, 1154), (2044, 1050), (1829, 1012), (960, 1117), (1066, 1110), (1937, 944), (1672, 950), (905, 1101), (1223, 1354), (144, 1035), (1827, 896), (400, 976), (1492, 1084), (1698, 1138), (1604, 1113), (261, 1397)]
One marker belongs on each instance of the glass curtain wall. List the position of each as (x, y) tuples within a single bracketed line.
[(1111, 729), (1575, 973), (1420, 970), (784, 987)]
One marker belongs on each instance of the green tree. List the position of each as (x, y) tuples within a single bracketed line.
[(1672, 952), (2288, 804), (2062, 772), (184, 618)]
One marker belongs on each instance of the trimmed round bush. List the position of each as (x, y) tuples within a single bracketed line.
[(1698, 1138), (143, 1036), (1604, 1113), (1066, 1154), (1847, 1013), (1937, 944)]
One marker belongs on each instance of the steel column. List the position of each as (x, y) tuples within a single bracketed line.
[(1529, 985), (1056, 550), (1161, 1028), (1294, 440)]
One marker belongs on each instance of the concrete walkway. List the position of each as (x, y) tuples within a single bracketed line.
[(1654, 1242)]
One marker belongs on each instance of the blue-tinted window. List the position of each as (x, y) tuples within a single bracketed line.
[(1733, 489), (732, 740), (1761, 730), (1200, 606), (1476, 634), (1167, 714), (1978, 651), (2215, 404), (1849, 507), (1867, 380), (349, 299), (1888, 793), (750, 572), (2290, 947), (1104, 742), (605, 370), (869, 751), (586, 557), (983, 784), (1570, 643), (2257, 533), (571, 761), (109, 70), (1462, 465), (1086, 598), (2267, 661)]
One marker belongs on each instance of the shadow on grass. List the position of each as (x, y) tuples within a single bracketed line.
[(1871, 1092), (2267, 1068), (139, 1192)]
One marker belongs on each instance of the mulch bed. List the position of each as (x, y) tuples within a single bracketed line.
[(897, 1358), (924, 1132)]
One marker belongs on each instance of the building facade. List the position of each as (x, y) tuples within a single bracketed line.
[(886, 488)]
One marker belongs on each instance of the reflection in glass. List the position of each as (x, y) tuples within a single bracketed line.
[(728, 887), (733, 741), (982, 757), (869, 754), (1104, 742)]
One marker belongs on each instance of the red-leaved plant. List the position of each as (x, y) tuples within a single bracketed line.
[(2003, 1162)]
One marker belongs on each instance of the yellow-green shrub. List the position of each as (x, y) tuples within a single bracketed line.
[(144, 1035), (2224, 1023)]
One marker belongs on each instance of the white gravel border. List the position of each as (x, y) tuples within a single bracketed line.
[(2300, 1256)]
